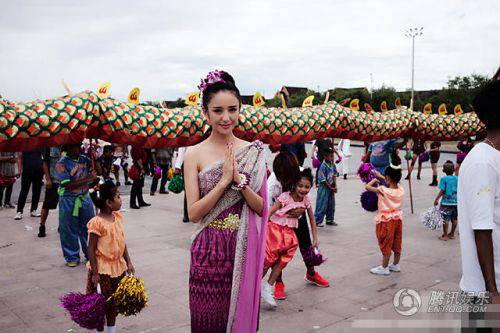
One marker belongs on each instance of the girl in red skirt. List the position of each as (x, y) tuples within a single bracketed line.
[(281, 240)]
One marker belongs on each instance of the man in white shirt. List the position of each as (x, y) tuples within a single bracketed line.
[(479, 203)]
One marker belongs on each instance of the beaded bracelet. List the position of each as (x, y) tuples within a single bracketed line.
[(243, 182)]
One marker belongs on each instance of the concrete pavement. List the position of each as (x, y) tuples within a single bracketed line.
[(33, 275)]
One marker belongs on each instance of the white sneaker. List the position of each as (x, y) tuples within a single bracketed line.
[(321, 225), (267, 294), (379, 270), (35, 214), (18, 216), (395, 268)]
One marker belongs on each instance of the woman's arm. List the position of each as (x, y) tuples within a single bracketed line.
[(141, 166), (314, 229), (254, 200), (153, 155), (19, 164), (198, 208), (313, 151)]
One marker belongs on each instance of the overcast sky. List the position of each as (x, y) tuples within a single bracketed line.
[(165, 47)]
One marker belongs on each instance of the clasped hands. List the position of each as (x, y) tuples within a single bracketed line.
[(230, 170)]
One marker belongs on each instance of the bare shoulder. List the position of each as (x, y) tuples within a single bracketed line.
[(192, 152), (239, 143)]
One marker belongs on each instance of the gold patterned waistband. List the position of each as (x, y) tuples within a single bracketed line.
[(232, 223)]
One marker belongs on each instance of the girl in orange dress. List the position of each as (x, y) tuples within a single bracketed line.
[(108, 255), (389, 219)]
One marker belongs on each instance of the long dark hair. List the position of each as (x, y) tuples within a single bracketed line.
[(287, 171), (214, 88)]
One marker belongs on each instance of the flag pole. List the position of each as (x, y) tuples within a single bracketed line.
[(409, 177)]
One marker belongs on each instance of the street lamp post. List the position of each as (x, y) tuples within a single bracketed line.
[(412, 33), (371, 85)]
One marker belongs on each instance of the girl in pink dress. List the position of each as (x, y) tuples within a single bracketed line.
[(281, 240)]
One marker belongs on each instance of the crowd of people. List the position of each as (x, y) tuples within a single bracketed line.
[(70, 173), (231, 196)]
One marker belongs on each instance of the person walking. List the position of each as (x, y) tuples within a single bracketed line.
[(8, 176), (51, 157), (164, 161), (31, 174)]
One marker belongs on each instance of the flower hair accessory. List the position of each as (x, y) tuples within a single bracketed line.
[(212, 77)]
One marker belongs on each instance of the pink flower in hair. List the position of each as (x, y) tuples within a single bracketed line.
[(212, 77)]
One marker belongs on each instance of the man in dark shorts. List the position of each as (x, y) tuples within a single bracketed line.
[(419, 147), (50, 158), (434, 155)]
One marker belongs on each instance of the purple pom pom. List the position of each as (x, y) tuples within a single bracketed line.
[(157, 172), (86, 310), (369, 201), (316, 163), (313, 257), (365, 172), (461, 156)]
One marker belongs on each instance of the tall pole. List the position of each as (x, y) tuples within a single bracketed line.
[(371, 85), (412, 70), (413, 32)]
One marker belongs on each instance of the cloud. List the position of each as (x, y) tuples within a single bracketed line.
[(166, 47)]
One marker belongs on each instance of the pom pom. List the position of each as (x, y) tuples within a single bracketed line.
[(316, 163), (313, 257), (176, 185), (369, 201), (461, 156), (424, 157), (432, 218), (157, 172), (365, 172), (86, 310), (130, 297)]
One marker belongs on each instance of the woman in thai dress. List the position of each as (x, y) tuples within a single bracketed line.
[(225, 183)]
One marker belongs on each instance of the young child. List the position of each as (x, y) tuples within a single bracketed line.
[(281, 240), (389, 219), (108, 253), (448, 192), (325, 201)]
